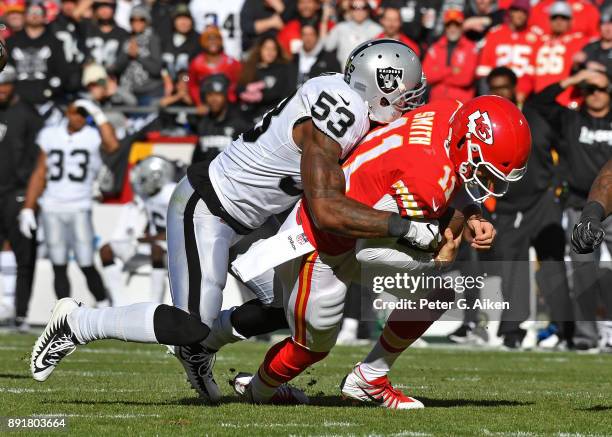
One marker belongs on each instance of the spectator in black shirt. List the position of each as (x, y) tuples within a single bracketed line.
[(585, 147), (177, 123), (38, 58), (221, 125), (103, 38), (529, 215), (312, 60), (267, 77), (19, 125), (263, 18), (480, 16), (598, 54)]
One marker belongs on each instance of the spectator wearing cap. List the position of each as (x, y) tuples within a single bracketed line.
[(212, 60), (308, 11), (312, 60), (139, 62), (510, 45), (38, 59), (359, 28), (13, 17), (222, 124), (450, 63), (480, 16), (554, 54), (584, 17), (103, 38), (391, 22), (19, 125), (263, 18), (598, 54), (179, 50), (267, 77)]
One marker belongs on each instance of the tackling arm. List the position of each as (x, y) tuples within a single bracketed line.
[(601, 191)]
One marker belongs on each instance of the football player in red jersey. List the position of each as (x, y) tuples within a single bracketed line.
[(414, 166), (553, 57), (510, 45), (585, 16)]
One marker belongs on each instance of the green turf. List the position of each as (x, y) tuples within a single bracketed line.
[(116, 389)]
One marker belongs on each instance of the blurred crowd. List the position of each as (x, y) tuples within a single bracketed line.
[(212, 68)]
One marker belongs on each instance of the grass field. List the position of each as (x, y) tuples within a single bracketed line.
[(116, 389)]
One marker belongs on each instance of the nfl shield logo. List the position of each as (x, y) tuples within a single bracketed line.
[(388, 79)]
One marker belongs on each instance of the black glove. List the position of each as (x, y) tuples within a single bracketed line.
[(588, 233)]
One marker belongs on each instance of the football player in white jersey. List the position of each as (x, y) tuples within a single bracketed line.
[(153, 181), (62, 185), (295, 149)]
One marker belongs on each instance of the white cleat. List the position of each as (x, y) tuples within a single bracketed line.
[(56, 342), (198, 363), (285, 394), (378, 391)]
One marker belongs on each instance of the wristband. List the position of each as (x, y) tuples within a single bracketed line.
[(398, 226), (594, 209)]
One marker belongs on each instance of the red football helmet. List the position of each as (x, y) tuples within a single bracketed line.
[(489, 143)]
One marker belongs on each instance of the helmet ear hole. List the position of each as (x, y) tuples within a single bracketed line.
[(384, 102)]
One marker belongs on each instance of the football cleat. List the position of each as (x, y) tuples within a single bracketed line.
[(198, 363), (285, 394), (56, 342), (378, 391)]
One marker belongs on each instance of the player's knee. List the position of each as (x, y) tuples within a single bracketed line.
[(176, 327), (106, 255)]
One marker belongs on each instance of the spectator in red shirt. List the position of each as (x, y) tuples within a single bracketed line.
[(584, 14), (309, 11), (450, 63), (391, 21), (212, 60)]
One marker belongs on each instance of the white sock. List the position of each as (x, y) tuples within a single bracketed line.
[(158, 285), (261, 391), (8, 268), (222, 332), (378, 362), (113, 279), (127, 323)]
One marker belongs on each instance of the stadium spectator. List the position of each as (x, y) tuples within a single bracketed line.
[(161, 15), (221, 125), (450, 63), (179, 50), (13, 17), (42, 71), (510, 45), (103, 38), (212, 60), (308, 11), (481, 15), (391, 22), (553, 57), (179, 97), (104, 91), (263, 18), (20, 125), (267, 77), (439, 9), (598, 54), (66, 28), (226, 16), (585, 148), (345, 36), (139, 62), (584, 14), (312, 60), (529, 215)]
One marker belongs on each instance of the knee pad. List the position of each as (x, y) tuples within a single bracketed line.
[(253, 318), (176, 327)]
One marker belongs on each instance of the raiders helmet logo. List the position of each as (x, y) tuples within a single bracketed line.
[(388, 79), (480, 126)]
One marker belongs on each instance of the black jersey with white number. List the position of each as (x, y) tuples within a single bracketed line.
[(101, 47), (178, 50)]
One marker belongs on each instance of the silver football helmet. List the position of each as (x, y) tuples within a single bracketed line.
[(389, 77), (149, 175)]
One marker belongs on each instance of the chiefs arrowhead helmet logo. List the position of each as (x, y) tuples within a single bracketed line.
[(480, 126)]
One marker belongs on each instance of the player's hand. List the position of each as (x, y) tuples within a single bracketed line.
[(480, 233), (449, 249), (92, 109), (424, 235), (587, 235), (27, 222)]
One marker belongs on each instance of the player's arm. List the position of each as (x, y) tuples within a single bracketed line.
[(36, 186), (324, 188), (589, 233), (110, 143)]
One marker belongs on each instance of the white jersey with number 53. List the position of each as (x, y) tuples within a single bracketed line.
[(259, 173)]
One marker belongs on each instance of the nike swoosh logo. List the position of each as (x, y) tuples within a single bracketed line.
[(39, 363), (372, 398), (346, 102), (433, 205)]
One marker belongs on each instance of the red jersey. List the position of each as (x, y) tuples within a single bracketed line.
[(290, 36), (199, 69), (585, 17), (406, 163), (404, 39), (506, 47)]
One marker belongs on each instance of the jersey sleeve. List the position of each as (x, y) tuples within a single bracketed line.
[(336, 110)]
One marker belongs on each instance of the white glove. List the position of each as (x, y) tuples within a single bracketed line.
[(92, 109), (27, 222), (424, 234)]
